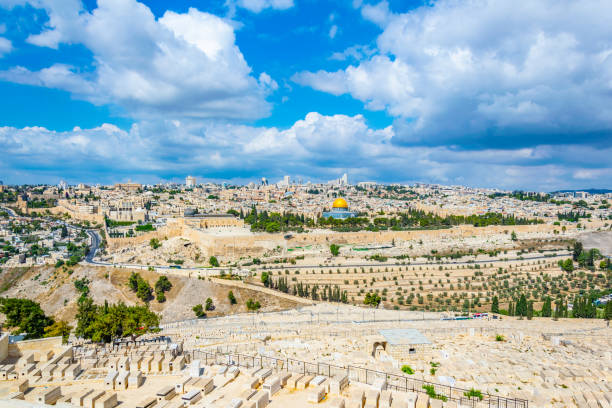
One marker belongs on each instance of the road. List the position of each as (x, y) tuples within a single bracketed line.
[(10, 212)]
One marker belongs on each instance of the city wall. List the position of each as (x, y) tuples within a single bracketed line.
[(75, 215), (244, 245), (160, 234), (258, 244)]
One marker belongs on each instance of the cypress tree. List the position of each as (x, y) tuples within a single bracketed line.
[(546, 307), (495, 305)]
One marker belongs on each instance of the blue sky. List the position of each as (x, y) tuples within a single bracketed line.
[(484, 93)]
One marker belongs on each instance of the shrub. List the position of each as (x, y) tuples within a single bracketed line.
[(500, 337), (199, 311), (231, 297), (474, 393), (407, 369), (213, 261)]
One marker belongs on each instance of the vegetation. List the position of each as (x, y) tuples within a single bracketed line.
[(209, 305), (142, 288), (154, 243), (372, 299), (213, 261), (430, 390), (109, 322), (407, 369), (59, 328), (199, 311), (252, 305), (495, 305), (499, 337), (412, 219), (145, 228), (162, 285), (26, 316), (473, 393), (231, 297), (334, 249)]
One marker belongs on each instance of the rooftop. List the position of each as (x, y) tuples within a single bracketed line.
[(399, 337)]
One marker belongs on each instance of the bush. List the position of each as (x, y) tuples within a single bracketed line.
[(334, 249), (154, 243), (199, 311), (430, 390), (209, 304), (59, 263), (213, 262), (500, 337), (474, 393), (231, 297), (407, 369), (252, 305)]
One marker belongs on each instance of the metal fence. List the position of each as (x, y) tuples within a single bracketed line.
[(361, 375)]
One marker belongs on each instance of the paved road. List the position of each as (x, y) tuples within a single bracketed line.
[(10, 212)]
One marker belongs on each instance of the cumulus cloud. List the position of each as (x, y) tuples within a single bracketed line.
[(333, 31), (5, 46), (257, 6), (318, 147), (484, 73), (182, 64), (356, 52)]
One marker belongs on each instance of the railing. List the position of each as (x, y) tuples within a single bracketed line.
[(359, 374)]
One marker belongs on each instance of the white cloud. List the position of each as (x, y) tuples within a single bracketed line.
[(333, 31), (378, 13), (179, 65), (486, 73), (318, 147), (5, 46), (357, 52), (257, 6)]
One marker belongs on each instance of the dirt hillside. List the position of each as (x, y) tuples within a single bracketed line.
[(54, 289)]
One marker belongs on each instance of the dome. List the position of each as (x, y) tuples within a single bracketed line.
[(340, 203)]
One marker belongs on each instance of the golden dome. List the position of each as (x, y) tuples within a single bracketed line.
[(340, 203)]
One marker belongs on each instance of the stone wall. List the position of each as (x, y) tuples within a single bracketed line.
[(4, 343), (162, 233), (50, 343)]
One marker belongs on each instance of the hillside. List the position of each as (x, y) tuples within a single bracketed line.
[(54, 289)]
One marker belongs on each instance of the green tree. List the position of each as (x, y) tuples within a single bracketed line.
[(568, 265), (252, 305), (334, 249), (199, 311), (608, 311), (144, 290), (265, 279), (495, 305), (154, 243), (577, 250), (372, 299), (213, 262), (513, 236), (521, 306), (529, 310), (25, 315), (231, 297), (547, 307), (209, 304), (133, 281), (59, 328), (163, 284)]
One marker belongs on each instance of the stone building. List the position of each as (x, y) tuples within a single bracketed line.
[(402, 345)]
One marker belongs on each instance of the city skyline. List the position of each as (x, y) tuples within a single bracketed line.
[(482, 94)]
